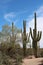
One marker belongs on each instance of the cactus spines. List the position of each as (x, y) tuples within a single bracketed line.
[(35, 37)]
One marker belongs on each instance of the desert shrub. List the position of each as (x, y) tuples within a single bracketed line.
[(4, 46), (4, 59), (17, 46), (13, 50), (29, 52), (1, 60), (9, 51), (18, 59), (18, 49)]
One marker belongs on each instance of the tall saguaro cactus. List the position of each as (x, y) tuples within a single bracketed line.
[(13, 38), (24, 38), (12, 29), (35, 37)]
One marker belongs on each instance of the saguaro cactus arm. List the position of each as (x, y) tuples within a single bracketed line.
[(28, 36), (31, 33), (39, 35)]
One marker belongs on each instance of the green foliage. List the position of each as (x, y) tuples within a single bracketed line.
[(18, 59), (8, 52), (35, 37), (1, 60), (6, 29), (4, 59)]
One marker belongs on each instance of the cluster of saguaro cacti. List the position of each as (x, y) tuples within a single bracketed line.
[(35, 37), (24, 38), (13, 38)]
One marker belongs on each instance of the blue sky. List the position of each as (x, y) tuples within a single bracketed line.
[(17, 10)]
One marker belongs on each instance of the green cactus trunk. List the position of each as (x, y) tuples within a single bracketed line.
[(24, 49), (24, 38), (12, 30), (35, 38), (13, 37), (35, 41), (34, 45)]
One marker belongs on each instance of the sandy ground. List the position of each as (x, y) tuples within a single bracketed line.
[(34, 61)]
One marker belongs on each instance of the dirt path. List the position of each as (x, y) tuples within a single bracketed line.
[(35, 61)]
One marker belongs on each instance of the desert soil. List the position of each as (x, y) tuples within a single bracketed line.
[(34, 61)]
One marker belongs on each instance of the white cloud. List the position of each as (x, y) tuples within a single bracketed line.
[(10, 17), (40, 11), (14, 16), (5, 1), (30, 23)]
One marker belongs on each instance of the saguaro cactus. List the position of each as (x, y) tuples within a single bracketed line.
[(35, 37), (12, 29), (13, 37), (24, 38)]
